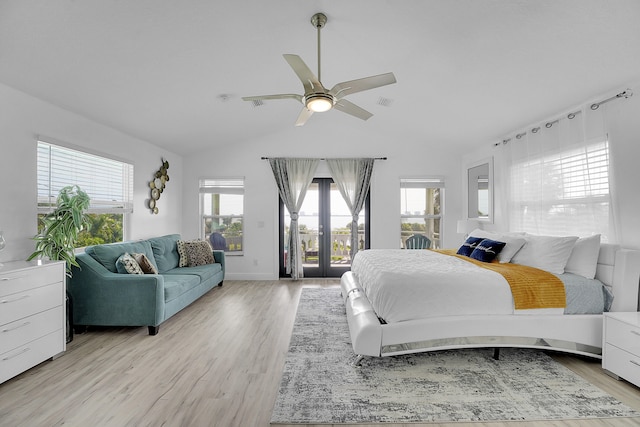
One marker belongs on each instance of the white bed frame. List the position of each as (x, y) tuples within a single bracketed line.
[(580, 334)]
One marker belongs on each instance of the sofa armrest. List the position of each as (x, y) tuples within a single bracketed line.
[(101, 297), (219, 257)]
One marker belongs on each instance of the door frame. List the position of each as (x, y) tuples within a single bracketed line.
[(324, 270)]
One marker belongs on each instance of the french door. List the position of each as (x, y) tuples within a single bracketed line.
[(324, 221)]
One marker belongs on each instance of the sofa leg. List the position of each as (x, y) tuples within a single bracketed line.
[(153, 330), (220, 284), (80, 329)]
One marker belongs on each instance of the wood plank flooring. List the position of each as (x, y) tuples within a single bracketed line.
[(216, 363)]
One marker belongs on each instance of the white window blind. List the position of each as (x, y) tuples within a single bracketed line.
[(564, 193), (222, 186), (108, 182)]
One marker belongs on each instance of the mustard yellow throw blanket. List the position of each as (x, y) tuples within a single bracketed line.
[(531, 287)]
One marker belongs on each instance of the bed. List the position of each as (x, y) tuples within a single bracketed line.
[(452, 322)]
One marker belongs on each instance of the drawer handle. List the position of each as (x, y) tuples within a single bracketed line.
[(16, 327), (6, 301), (634, 332), (634, 362), (24, 350), (6, 279)]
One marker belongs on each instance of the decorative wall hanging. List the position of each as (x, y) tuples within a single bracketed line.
[(157, 184)]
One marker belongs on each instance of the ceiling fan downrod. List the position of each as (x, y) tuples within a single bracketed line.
[(318, 20)]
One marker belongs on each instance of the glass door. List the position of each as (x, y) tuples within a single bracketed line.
[(324, 221)]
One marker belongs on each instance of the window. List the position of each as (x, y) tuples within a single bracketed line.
[(421, 206), (222, 212), (108, 182), (563, 193)]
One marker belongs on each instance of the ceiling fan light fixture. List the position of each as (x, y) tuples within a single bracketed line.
[(319, 102)]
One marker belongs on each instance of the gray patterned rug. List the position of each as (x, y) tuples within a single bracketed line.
[(319, 386)]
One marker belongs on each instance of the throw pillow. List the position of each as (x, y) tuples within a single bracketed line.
[(145, 264), (547, 253), (199, 252), (514, 242), (127, 264), (584, 257), (487, 250), (469, 245), (184, 260)]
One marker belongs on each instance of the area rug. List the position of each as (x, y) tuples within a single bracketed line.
[(320, 386)]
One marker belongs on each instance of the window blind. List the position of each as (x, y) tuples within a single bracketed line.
[(222, 186), (108, 182), (565, 193)]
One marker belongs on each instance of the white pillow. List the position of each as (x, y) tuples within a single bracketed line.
[(546, 252), (513, 243), (584, 257)]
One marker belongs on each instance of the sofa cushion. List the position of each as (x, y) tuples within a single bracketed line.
[(205, 272), (177, 284), (108, 254), (165, 251)]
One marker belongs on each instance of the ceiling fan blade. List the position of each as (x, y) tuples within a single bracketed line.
[(351, 108), (280, 96), (304, 116), (353, 86), (304, 73)]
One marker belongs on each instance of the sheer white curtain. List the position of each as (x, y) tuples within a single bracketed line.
[(352, 177), (558, 175), (293, 177)]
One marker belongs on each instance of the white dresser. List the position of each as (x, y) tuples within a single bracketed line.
[(621, 347), (32, 314)]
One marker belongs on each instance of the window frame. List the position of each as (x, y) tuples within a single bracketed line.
[(52, 155), (424, 183), (207, 186)]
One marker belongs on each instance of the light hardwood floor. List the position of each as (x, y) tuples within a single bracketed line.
[(216, 363)]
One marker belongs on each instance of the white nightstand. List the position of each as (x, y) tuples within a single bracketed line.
[(621, 345)]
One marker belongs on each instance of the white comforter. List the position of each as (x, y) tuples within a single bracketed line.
[(410, 284)]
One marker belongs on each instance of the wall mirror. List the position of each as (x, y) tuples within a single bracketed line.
[(480, 190)]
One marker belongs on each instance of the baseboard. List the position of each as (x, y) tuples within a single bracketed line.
[(250, 276)]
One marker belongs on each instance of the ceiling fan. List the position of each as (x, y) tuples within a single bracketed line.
[(317, 98)]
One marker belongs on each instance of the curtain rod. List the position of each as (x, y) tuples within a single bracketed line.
[(375, 158), (624, 94)]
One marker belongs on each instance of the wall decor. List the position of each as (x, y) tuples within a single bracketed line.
[(157, 185)]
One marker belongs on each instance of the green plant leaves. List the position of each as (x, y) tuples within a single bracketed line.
[(62, 226)]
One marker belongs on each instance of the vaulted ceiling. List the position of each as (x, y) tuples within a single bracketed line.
[(173, 72)]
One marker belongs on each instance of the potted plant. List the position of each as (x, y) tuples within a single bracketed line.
[(61, 227)]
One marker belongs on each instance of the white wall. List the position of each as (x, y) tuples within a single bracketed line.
[(260, 259), (621, 121), (24, 117)]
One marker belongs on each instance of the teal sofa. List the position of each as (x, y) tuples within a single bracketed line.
[(102, 296)]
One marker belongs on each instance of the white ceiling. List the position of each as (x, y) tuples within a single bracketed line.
[(172, 71)]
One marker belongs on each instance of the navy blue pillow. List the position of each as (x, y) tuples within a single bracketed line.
[(469, 245), (487, 250)]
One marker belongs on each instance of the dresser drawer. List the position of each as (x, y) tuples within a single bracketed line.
[(622, 363), (20, 280), (622, 335), (15, 334), (24, 357), (24, 304)]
